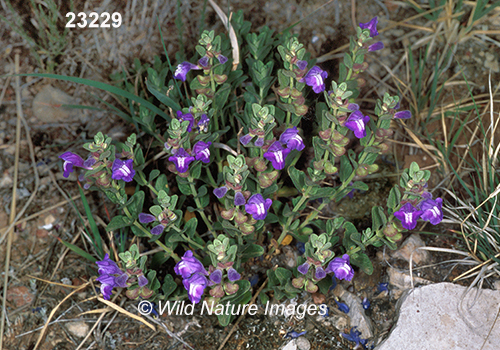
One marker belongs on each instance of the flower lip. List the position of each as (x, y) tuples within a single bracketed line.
[(123, 170), (375, 47), (233, 275), (276, 154), (189, 265), (290, 137), (357, 123), (341, 268), (71, 159), (320, 273), (402, 115), (258, 207), (201, 151), (182, 159), (315, 78), (408, 215), (183, 69), (432, 210), (189, 117), (239, 199), (372, 25), (216, 276), (146, 218), (195, 286)]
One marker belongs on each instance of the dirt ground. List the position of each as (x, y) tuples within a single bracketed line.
[(43, 272)]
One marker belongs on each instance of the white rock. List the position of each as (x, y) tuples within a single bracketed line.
[(78, 329), (357, 314), (436, 317)]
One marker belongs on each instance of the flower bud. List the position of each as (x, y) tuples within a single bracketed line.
[(362, 170), (318, 165), (231, 288), (132, 293), (227, 214), (239, 217), (298, 282), (260, 165), (217, 291), (325, 135), (311, 287), (246, 229), (146, 293), (220, 79), (301, 110), (330, 169), (204, 80)]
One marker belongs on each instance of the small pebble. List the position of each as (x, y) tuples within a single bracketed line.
[(303, 343)]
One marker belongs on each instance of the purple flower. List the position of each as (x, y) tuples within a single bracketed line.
[(365, 303), (259, 142), (123, 170), (258, 207), (383, 287), (121, 280), (189, 265), (222, 59), (195, 286), (290, 137), (403, 115), (201, 151), (354, 337), (408, 215), (303, 268), (342, 307), (182, 159), (203, 123), (316, 79), (246, 139), (203, 61), (301, 64), (146, 218), (372, 25), (239, 199), (320, 273), (157, 230), (375, 47), (216, 276), (142, 281), (353, 107), (107, 285), (220, 192), (108, 267), (183, 69), (277, 155), (357, 123), (70, 160), (432, 210), (341, 268), (189, 117), (233, 275)]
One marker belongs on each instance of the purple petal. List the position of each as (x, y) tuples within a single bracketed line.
[(203, 61), (183, 69), (123, 170), (189, 117), (258, 207), (290, 137), (182, 159), (158, 229), (320, 273), (276, 154), (372, 25), (220, 192), (216, 276), (71, 159), (203, 123), (121, 281), (357, 123), (303, 268), (408, 215), (233, 275), (195, 286), (239, 199), (341, 268), (403, 115), (301, 64), (189, 265), (201, 151), (375, 47), (146, 218), (246, 139), (222, 59), (260, 141), (108, 267), (316, 79), (432, 210), (142, 281)]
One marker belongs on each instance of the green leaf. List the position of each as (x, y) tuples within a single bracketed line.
[(345, 169), (251, 251), (360, 185), (324, 285), (163, 98), (153, 174), (135, 204), (162, 183), (348, 60), (78, 251), (394, 198), (378, 218), (283, 275), (118, 222), (349, 230), (190, 227), (298, 177), (169, 286), (195, 170), (362, 261)]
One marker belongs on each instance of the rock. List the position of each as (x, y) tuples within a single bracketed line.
[(20, 296), (318, 298), (302, 343), (291, 345), (78, 329), (411, 245), (400, 281), (436, 317), (48, 106), (357, 314)]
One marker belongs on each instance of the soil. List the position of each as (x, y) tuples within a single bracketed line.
[(43, 271)]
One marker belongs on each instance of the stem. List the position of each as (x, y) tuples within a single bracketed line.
[(198, 204), (143, 178)]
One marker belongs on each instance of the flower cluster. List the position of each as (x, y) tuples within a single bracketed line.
[(181, 158), (162, 215), (193, 276), (289, 141), (111, 276), (427, 209)]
